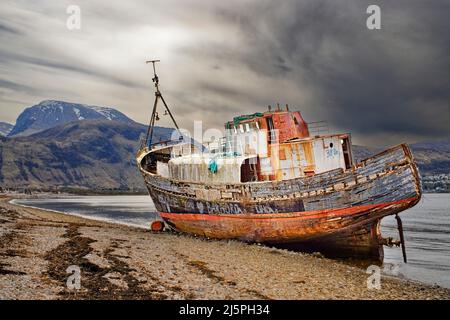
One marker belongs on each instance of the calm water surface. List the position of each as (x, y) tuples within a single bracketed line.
[(427, 237), (426, 227)]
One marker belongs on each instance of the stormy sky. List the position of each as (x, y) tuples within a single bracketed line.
[(224, 58)]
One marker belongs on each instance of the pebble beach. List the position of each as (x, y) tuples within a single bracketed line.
[(122, 262)]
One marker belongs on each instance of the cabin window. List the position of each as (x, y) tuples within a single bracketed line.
[(345, 142), (296, 121), (272, 137), (241, 128), (331, 145)]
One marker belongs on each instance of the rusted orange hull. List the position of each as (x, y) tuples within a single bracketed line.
[(285, 227), (344, 232)]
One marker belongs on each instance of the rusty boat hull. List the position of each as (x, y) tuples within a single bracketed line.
[(338, 211)]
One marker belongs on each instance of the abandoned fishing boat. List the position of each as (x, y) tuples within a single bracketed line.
[(272, 180)]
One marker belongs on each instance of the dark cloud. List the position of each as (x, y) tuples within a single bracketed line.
[(66, 66), (16, 86), (389, 81), (218, 59), (10, 30)]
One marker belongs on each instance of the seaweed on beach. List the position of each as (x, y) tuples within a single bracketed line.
[(95, 284)]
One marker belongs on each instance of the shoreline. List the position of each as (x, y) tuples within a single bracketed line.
[(13, 202), (115, 222), (126, 262)]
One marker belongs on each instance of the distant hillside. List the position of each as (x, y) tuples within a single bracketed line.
[(433, 157), (361, 152), (93, 154), (51, 113), (5, 128)]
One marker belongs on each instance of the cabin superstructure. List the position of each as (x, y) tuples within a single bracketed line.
[(270, 146)]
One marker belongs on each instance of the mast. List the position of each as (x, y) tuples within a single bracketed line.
[(154, 117)]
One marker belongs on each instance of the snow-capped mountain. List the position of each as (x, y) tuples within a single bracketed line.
[(5, 128), (51, 113)]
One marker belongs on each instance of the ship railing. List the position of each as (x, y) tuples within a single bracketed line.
[(318, 128)]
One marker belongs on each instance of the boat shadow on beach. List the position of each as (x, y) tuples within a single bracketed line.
[(341, 256)]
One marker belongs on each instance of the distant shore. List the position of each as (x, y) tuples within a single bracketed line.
[(71, 191), (121, 262)]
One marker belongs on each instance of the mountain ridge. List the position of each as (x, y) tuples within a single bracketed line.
[(88, 154), (51, 113), (5, 128)]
